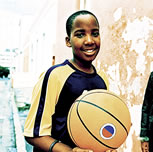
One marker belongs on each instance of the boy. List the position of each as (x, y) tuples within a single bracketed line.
[(58, 88)]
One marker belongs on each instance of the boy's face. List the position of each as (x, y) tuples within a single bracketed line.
[(84, 38)]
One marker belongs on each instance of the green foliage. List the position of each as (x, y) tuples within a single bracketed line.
[(4, 72), (24, 108)]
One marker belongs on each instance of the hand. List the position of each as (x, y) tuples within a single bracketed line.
[(145, 146), (77, 149)]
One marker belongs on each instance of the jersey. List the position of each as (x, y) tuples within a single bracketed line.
[(53, 96)]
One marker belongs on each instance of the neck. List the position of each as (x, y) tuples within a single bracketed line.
[(85, 67)]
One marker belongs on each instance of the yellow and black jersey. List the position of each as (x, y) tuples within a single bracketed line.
[(53, 96)]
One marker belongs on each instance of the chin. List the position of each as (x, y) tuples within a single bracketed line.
[(89, 61)]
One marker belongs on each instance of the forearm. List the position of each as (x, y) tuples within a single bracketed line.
[(45, 142)]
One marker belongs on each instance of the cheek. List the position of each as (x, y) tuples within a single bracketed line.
[(76, 44), (98, 41)]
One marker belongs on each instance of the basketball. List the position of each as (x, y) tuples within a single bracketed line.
[(99, 120)]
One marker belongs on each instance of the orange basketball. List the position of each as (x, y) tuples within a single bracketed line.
[(99, 120)]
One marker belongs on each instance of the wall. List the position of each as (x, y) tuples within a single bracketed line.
[(45, 39), (39, 43), (65, 8), (126, 54)]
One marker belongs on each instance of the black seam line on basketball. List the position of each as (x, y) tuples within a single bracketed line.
[(91, 132), (102, 92), (70, 125), (106, 112)]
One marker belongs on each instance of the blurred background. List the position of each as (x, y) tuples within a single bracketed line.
[(32, 38)]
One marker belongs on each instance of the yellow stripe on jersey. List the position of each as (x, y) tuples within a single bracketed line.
[(56, 80), (104, 76), (30, 120)]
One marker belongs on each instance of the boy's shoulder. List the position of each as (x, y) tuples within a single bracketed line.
[(104, 76), (56, 66), (151, 76), (151, 73)]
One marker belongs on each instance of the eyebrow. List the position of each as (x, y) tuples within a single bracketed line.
[(82, 30), (97, 29)]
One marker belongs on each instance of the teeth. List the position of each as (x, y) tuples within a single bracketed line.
[(89, 51)]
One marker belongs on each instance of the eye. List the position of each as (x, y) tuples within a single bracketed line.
[(95, 33), (79, 35)]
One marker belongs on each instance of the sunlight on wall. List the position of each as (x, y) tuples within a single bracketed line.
[(128, 45), (8, 33)]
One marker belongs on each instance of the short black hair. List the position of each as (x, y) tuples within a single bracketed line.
[(72, 17)]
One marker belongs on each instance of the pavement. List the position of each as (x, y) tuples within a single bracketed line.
[(11, 120), (7, 140)]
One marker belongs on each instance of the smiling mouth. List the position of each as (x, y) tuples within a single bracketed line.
[(89, 52)]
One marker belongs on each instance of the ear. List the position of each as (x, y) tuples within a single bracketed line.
[(67, 40)]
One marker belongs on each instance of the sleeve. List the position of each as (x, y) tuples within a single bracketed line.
[(44, 99), (146, 107)]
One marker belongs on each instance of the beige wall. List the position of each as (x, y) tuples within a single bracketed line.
[(126, 54), (46, 36), (65, 8), (26, 60)]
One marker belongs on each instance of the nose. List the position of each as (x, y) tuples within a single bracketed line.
[(89, 40)]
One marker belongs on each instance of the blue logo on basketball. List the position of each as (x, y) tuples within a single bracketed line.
[(107, 131)]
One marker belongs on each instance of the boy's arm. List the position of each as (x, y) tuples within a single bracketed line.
[(45, 142)]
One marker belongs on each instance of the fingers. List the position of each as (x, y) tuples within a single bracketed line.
[(77, 149), (145, 146)]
